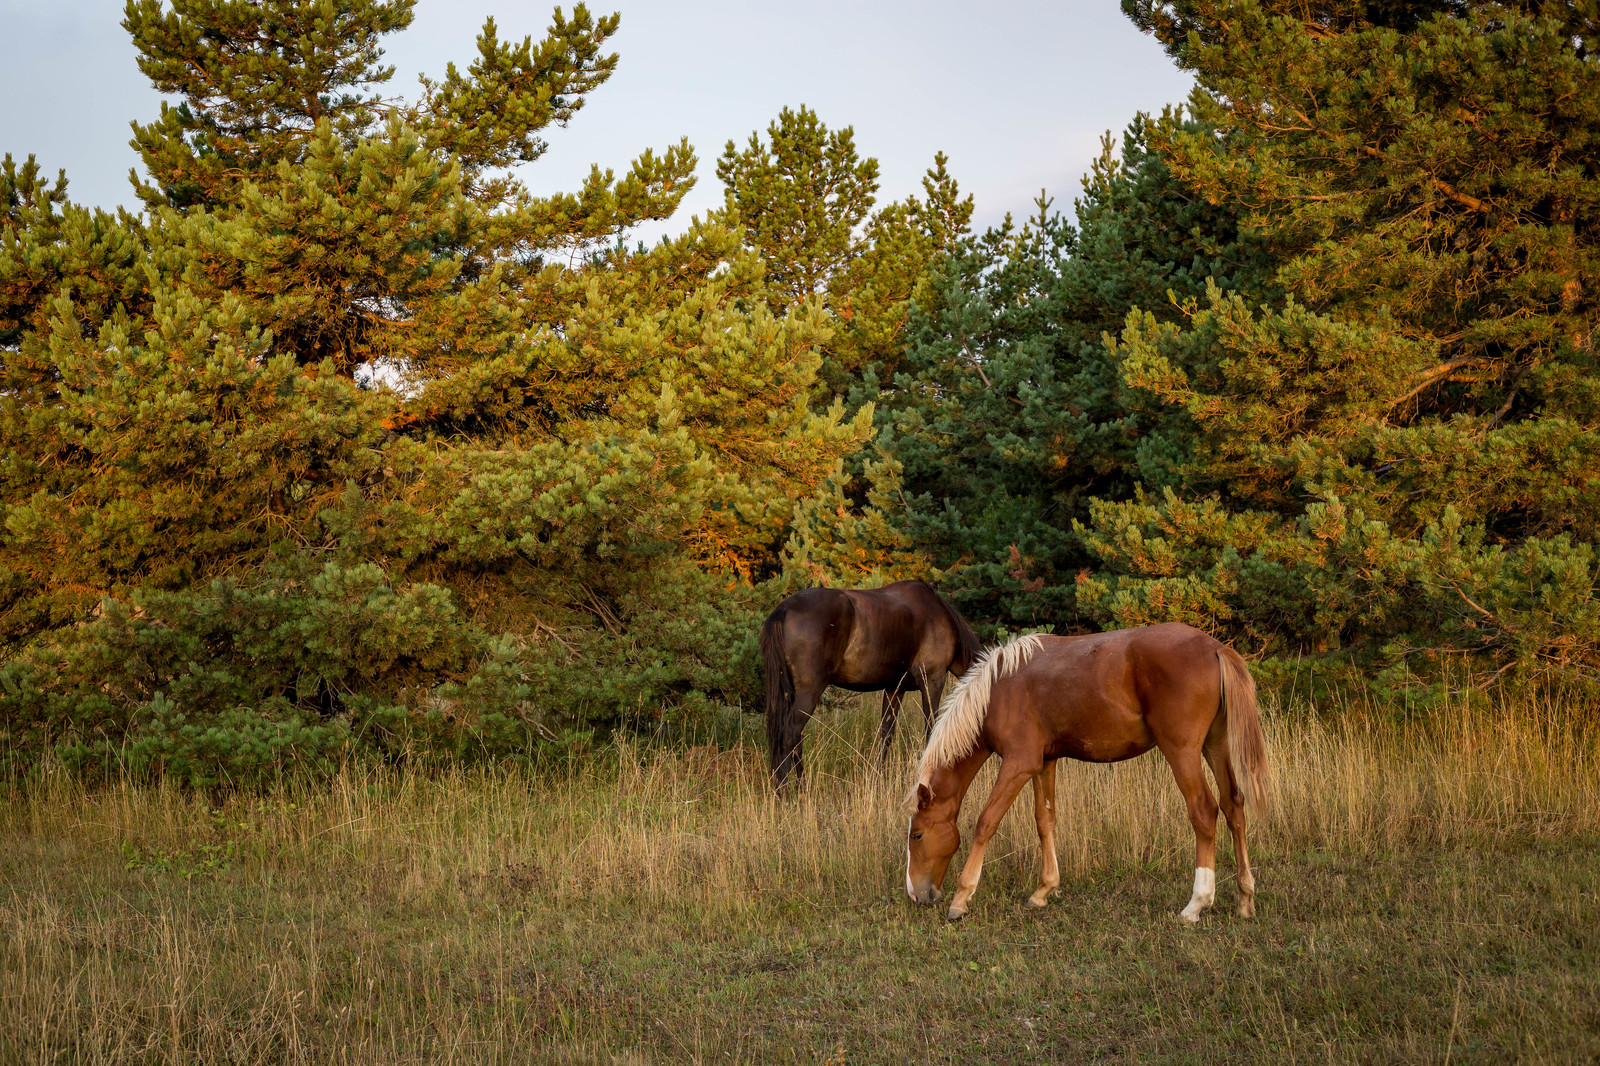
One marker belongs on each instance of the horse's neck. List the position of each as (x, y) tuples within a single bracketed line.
[(952, 781)]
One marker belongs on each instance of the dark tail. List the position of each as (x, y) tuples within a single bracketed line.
[(780, 686), (1247, 748), (967, 646)]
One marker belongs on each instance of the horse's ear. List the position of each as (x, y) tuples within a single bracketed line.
[(924, 796)]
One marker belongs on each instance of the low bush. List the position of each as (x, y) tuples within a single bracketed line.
[(313, 661)]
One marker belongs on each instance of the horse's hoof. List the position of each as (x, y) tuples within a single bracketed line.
[(955, 915), (1189, 919), (1036, 904), (1247, 908)]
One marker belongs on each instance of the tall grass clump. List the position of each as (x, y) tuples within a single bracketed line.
[(705, 825)]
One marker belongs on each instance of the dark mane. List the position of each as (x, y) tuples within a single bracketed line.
[(968, 640)]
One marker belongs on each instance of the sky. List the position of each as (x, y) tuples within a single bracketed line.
[(1017, 93)]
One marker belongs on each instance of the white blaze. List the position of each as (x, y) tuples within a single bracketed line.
[(910, 890)]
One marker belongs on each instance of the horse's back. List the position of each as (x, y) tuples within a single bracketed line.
[(812, 601), (1104, 697), (890, 627), (865, 639), (901, 609), (1140, 660)]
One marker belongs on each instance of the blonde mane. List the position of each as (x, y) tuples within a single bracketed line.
[(961, 716)]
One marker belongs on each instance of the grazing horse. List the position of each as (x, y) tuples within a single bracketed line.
[(863, 640), (1099, 698)]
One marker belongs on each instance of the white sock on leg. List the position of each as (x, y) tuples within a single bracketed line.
[(1205, 890)]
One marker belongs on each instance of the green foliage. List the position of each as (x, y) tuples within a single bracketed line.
[(349, 446), (156, 459), (906, 244), (229, 682), (1009, 418), (315, 254), (841, 541), (491, 117), (254, 79), (314, 662), (51, 247), (1429, 369), (801, 196), (1314, 367), (257, 78), (805, 200), (550, 470), (204, 859)]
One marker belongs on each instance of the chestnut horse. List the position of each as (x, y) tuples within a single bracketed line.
[(863, 640), (1099, 698)]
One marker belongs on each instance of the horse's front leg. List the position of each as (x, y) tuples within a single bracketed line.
[(1013, 775), (1044, 815), (891, 714), (931, 685)]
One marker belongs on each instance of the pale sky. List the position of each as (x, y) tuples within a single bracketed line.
[(1016, 92)]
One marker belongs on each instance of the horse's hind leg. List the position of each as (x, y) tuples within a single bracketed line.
[(1233, 810), (787, 735), (891, 714), (1191, 777), (1044, 814)]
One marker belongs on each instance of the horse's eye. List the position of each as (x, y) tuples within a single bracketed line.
[(916, 836)]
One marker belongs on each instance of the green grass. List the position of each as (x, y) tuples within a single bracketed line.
[(662, 907)]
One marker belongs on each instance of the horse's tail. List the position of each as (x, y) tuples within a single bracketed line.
[(967, 647), (1247, 748), (780, 685)]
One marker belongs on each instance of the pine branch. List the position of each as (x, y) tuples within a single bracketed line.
[(1432, 376)]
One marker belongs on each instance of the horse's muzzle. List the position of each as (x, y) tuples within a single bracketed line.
[(926, 895)]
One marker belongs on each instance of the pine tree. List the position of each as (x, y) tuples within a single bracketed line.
[(1398, 453), (283, 160), (341, 336), (805, 198), (906, 244), (1009, 417), (49, 245), (256, 80), (802, 197)]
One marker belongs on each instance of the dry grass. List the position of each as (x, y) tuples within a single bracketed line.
[(1426, 892)]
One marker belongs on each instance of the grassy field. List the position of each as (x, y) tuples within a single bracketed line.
[(1427, 894)]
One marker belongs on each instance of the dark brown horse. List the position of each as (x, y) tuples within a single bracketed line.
[(1099, 698), (863, 640)]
